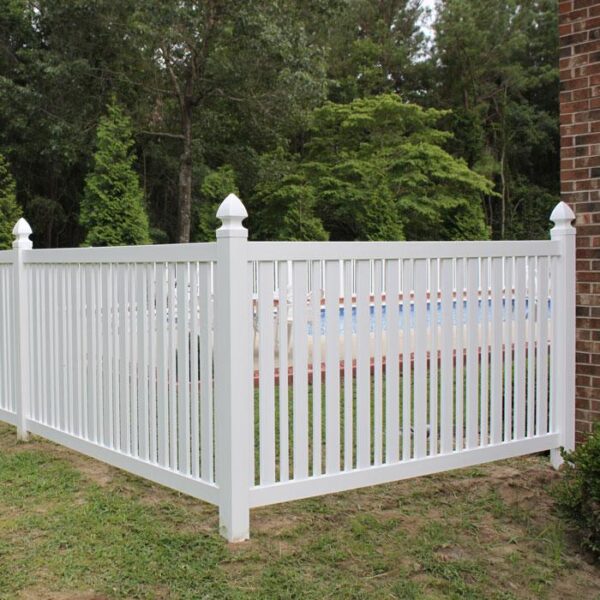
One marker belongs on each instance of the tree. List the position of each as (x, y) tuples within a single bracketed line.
[(112, 210), (250, 63), (10, 211), (496, 68), (375, 49), (375, 169)]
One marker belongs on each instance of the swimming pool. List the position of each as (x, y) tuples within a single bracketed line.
[(436, 314)]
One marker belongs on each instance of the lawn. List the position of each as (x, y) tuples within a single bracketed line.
[(73, 528)]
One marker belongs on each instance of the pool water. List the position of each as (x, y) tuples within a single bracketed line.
[(436, 314)]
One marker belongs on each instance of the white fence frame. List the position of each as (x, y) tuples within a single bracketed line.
[(234, 488)]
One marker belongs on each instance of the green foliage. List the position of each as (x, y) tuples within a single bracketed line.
[(112, 210), (288, 211), (496, 66), (216, 186), (47, 219), (374, 47), (578, 493), (10, 211), (375, 169), (240, 80)]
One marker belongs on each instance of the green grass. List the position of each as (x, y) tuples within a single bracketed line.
[(71, 527)]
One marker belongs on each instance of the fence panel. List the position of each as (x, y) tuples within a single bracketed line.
[(252, 373), (425, 349), (125, 358)]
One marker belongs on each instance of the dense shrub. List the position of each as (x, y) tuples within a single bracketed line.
[(578, 492)]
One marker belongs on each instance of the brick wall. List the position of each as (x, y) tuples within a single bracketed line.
[(579, 30)]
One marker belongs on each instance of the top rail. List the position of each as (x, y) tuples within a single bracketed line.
[(200, 252), (302, 251)]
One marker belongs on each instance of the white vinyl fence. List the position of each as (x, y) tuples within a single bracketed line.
[(250, 373)]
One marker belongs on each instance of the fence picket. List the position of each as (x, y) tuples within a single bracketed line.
[(392, 371), (496, 358), (460, 354), (542, 348), (508, 348), (407, 282), (485, 352), (284, 420), (332, 367), (519, 387), (530, 346), (363, 360), (300, 361), (348, 369), (446, 356), (420, 358), (472, 416), (266, 343), (317, 402)]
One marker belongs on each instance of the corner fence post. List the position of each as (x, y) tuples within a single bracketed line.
[(22, 373), (563, 342), (233, 372)]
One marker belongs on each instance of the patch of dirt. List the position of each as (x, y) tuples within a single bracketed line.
[(527, 489), (581, 582), (36, 594)]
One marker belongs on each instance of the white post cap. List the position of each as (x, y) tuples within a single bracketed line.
[(562, 216), (232, 212), (22, 231)]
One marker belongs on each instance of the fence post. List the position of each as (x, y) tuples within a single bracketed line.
[(563, 342), (233, 372), (21, 231)]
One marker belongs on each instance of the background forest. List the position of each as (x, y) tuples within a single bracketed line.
[(128, 122)]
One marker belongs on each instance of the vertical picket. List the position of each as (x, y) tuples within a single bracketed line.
[(531, 327), (131, 354), (447, 345), (194, 379), (472, 421), (496, 360), (172, 362), (433, 357), (266, 343), (348, 369), (206, 369), (508, 349), (542, 348), (107, 362), (332, 367), (284, 424), (183, 369), (300, 362), (485, 351), (519, 384), (142, 367), (152, 364), (363, 375), (315, 317), (162, 389), (460, 354), (392, 358), (407, 282), (420, 370)]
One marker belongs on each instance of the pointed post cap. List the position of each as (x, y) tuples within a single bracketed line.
[(22, 231), (562, 216), (232, 212)]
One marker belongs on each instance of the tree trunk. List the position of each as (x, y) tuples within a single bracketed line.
[(184, 223)]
